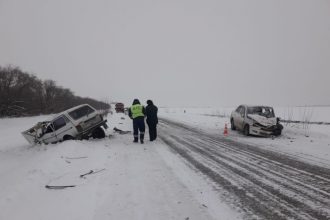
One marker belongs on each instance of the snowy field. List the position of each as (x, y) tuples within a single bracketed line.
[(138, 181), (303, 113), (305, 142), (134, 181)]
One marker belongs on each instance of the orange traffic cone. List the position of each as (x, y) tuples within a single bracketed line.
[(225, 132)]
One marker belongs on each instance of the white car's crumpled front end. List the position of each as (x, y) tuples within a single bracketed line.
[(33, 134)]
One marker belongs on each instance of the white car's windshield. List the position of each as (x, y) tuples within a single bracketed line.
[(81, 112), (261, 110)]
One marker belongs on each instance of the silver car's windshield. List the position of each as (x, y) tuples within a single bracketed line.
[(261, 110)]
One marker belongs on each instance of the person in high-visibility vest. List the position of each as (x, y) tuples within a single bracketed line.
[(137, 113)]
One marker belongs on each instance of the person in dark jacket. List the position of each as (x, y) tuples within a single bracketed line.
[(137, 113), (152, 119)]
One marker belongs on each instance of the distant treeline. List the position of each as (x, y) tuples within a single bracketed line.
[(23, 94)]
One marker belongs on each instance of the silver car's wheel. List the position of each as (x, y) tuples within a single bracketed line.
[(232, 125), (246, 130)]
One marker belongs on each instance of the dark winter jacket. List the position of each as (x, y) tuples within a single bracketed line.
[(151, 113)]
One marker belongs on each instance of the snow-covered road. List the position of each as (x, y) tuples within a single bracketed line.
[(262, 183)]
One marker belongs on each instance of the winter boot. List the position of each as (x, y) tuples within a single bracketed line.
[(141, 138)]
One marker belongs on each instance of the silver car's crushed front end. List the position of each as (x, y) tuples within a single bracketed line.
[(266, 131)]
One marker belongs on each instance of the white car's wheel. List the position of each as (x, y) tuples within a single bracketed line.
[(67, 137), (98, 133)]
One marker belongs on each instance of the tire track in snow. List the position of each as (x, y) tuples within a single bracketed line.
[(262, 183)]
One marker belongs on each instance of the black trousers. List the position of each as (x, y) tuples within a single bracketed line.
[(152, 130), (138, 125)]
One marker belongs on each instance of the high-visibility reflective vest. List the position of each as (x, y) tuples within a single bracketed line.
[(137, 110)]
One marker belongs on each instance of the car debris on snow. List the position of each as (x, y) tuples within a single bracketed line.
[(121, 131), (73, 158), (91, 172), (59, 187)]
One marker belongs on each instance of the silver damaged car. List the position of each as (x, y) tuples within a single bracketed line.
[(256, 120)]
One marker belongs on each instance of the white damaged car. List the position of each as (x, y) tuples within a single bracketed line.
[(80, 122), (256, 120)]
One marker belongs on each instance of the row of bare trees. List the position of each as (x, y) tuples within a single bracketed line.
[(23, 94)]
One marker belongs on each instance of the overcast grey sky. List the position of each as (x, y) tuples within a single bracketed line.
[(176, 52)]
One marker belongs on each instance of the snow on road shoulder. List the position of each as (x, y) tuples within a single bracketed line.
[(135, 181), (166, 187), (200, 187), (310, 144)]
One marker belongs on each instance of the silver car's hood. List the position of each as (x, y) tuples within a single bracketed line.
[(263, 120)]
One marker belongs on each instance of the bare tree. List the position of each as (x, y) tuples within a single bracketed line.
[(24, 94)]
